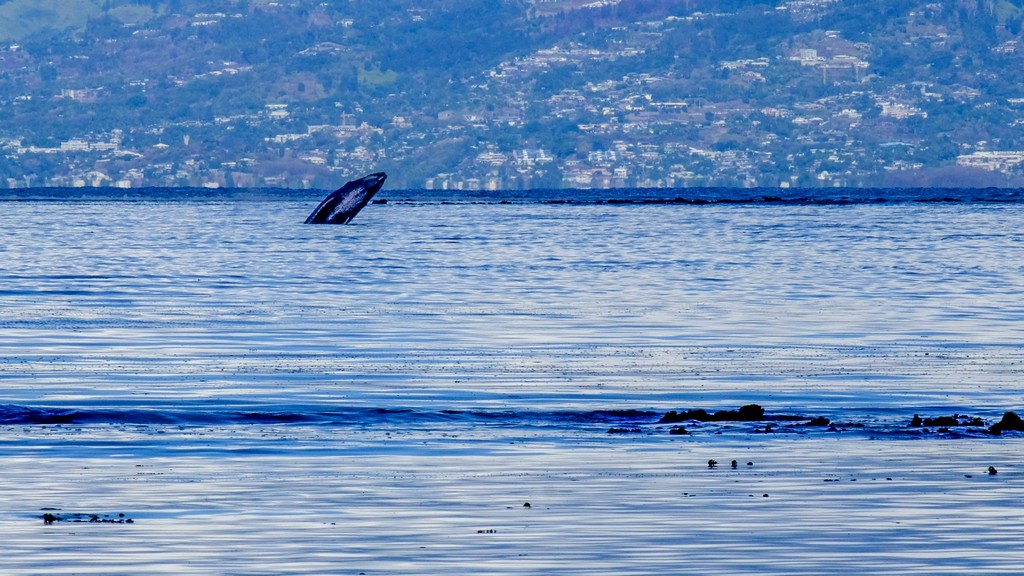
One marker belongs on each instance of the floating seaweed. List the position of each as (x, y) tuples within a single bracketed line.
[(119, 518)]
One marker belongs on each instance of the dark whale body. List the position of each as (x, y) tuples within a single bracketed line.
[(342, 205)]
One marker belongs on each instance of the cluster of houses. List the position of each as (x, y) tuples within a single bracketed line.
[(602, 133)]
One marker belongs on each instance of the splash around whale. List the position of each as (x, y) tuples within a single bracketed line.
[(342, 205)]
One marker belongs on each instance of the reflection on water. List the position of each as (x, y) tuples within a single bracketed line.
[(591, 306), (421, 327)]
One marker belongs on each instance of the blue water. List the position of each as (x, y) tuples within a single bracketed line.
[(193, 331), (186, 312)]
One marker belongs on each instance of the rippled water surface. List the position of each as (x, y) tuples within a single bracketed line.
[(263, 396)]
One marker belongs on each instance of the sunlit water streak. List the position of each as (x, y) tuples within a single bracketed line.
[(268, 397)]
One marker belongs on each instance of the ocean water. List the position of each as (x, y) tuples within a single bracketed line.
[(261, 396)]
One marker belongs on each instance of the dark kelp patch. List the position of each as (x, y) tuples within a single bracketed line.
[(946, 421), (119, 518), (748, 413), (1011, 422)]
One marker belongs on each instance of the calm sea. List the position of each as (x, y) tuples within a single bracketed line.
[(204, 361)]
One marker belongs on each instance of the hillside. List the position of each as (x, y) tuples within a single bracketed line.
[(511, 93)]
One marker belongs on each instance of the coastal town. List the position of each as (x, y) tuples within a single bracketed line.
[(605, 107)]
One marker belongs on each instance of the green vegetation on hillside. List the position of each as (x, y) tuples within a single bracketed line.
[(20, 19), (511, 93)]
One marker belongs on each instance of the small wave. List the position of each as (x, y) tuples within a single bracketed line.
[(750, 419), (29, 415)]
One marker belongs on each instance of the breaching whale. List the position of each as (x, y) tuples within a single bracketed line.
[(342, 205)]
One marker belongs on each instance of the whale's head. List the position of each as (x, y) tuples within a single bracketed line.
[(374, 182)]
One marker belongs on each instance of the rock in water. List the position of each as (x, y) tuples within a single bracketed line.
[(1010, 422)]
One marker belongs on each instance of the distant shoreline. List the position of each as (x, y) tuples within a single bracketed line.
[(691, 196)]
